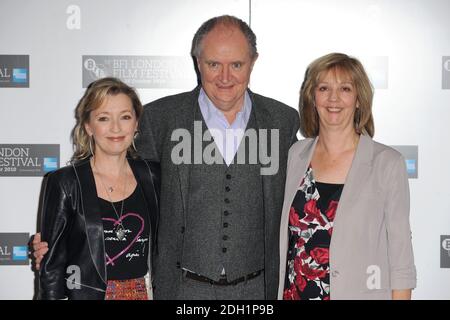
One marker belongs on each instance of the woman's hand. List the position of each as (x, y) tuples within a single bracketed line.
[(401, 294), (40, 248)]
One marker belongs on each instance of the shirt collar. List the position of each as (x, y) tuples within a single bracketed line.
[(209, 110)]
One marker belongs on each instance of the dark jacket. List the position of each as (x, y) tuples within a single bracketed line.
[(160, 120), (74, 266)]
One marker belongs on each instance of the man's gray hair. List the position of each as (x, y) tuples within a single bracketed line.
[(226, 20)]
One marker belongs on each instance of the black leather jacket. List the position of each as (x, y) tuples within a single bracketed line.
[(74, 266)]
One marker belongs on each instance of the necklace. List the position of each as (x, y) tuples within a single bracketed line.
[(119, 229)]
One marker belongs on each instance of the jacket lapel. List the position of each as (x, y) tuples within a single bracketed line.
[(298, 171), (296, 167), (144, 179), (184, 119), (91, 211), (356, 178), (263, 121)]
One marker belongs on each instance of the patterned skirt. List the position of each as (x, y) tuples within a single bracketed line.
[(132, 289)]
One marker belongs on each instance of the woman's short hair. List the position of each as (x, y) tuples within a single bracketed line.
[(93, 97), (309, 119)]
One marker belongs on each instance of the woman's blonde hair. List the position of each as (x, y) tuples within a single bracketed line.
[(94, 96), (309, 119)]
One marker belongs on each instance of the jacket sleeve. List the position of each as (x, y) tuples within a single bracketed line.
[(55, 224), (155, 170), (295, 128), (153, 192), (401, 258), (146, 140)]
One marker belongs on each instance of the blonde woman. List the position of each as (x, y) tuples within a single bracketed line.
[(100, 212)]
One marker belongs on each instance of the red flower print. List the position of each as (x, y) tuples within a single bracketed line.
[(304, 255), (300, 282), (312, 212), (311, 209), (320, 255), (300, 242), (331, 211), (303, 226), (298, 266), (294, 218), (291, 293), (312, 274), (310, 227)]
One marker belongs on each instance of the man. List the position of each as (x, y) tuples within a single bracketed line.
[(218, 229)]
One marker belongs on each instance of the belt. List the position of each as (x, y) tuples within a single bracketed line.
[(222, 281)]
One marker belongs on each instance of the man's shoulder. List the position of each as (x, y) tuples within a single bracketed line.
[(260, 99), (280, 114), (274, 106), (171, 102), (145, 164)]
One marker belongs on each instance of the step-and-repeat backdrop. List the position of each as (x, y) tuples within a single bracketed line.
[(51, 50)]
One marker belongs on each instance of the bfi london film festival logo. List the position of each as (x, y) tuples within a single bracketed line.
[(410, 153), (28, 160), (14, 248), (446, 72), (445, 251), (141, 71), (14, 71)]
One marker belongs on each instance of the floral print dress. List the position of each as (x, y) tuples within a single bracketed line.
[(311, 219)]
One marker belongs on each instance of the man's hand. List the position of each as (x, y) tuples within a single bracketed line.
[(39, 250)]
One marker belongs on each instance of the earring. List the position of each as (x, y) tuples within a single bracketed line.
[(134, 137), (90, 145)]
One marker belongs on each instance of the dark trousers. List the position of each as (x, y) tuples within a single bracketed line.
[(252, 289)]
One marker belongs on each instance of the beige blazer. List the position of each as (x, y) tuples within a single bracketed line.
[(371, 251)]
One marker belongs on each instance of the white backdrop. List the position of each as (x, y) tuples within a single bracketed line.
[(402, 44)]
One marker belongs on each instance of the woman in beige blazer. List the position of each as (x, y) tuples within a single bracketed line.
[(345, 231)]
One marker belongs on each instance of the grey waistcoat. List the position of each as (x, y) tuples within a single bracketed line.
[(224, 226)]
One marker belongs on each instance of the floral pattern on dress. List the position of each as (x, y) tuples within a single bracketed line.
[(310, 229)]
